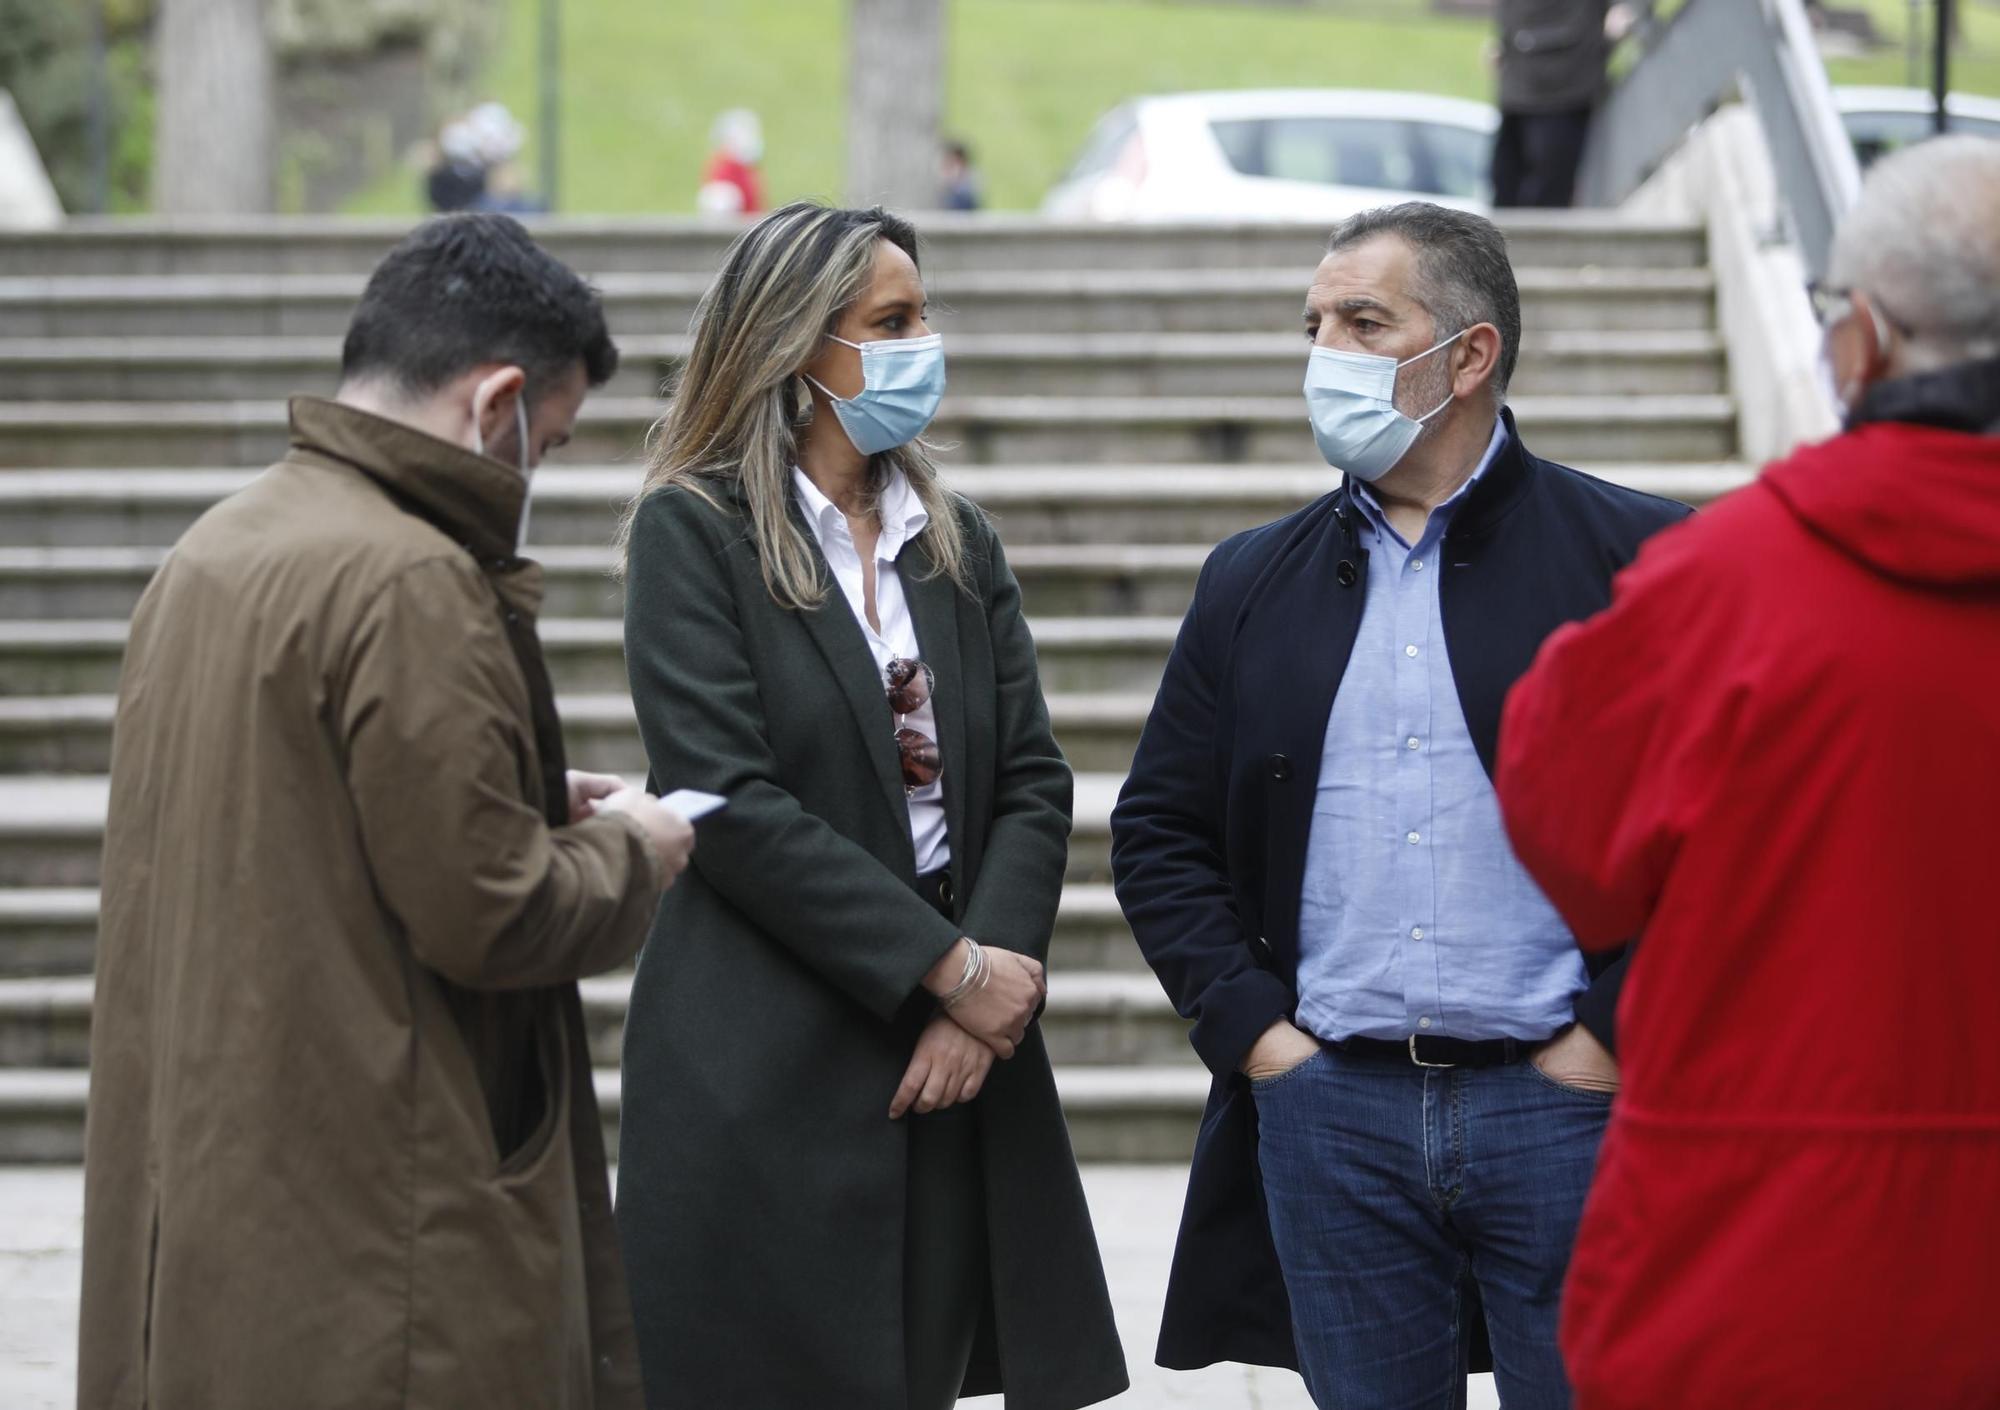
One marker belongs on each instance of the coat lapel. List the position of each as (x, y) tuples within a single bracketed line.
[(838, 636), (1317, 592), (933, 602)]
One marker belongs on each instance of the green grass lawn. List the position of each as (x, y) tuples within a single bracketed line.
[(1975, 66), (643, 79)]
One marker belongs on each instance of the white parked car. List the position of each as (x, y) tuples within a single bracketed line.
[(1879, 120), (1307, 154)]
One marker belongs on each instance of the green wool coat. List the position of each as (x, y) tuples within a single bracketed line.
[(778, 999)]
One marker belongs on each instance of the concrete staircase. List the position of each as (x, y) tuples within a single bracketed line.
[(1120, 400)]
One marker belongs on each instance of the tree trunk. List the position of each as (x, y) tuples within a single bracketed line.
[(895, 100), (216, 142)]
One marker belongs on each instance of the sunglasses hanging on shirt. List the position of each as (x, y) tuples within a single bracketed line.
[(910, 684)]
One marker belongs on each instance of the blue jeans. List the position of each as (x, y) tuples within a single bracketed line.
[(1393, 1191)]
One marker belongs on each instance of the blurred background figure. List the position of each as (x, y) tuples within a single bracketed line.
[(960, 183), (497, 142), (476, 165), (1552, 60), (732, 184), (457, 178)]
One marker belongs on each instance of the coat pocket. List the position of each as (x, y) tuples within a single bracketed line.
[(550, 1073)]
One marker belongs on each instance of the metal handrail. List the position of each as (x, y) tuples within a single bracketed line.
[(1708, 52)]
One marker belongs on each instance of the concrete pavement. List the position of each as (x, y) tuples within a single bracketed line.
[(1137, 1209)]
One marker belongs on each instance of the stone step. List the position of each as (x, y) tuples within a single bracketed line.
[(605, 245), (1058, 579), (980, 430), (1136, 1115), (1034, 505), (53, 585), (1221, 299), (41, 1115), (47, 932), (52, 933), (1114, 1019), (71, 734), (1585, 363), (45, 1022), (52, 830), (586, 654)]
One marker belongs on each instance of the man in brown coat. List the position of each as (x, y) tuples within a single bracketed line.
[(343, 1148)]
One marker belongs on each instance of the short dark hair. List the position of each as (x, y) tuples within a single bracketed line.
[(464, 290), (1463, 273)]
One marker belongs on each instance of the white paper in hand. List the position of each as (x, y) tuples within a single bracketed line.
[(693, 804)]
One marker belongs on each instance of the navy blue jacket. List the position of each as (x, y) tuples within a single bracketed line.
[(1209, 836)]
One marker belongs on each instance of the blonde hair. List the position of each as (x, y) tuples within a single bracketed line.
[(740, 400)]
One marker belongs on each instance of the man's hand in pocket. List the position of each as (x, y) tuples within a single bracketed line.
[(1282, 1047)]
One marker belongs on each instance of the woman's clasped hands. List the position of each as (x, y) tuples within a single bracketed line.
[(989, 997)]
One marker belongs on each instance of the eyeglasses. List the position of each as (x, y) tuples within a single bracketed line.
[(910, 684), (1831, 303)]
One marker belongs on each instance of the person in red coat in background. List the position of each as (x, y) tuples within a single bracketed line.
[(731, 183), (1775, 759)]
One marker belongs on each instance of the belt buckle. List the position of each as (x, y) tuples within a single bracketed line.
[(1419, 1061)]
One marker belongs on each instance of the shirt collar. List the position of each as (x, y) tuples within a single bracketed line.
[(902, 514), (1371, 508)]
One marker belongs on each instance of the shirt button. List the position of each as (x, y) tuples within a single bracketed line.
[(1418, 564), (1410, 650), (1415, 839), (1416, 743), (1423, 1023), (1417, 932)]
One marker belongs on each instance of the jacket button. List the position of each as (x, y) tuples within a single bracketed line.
[(1281, 767), (1347, 574), (1263, 948)]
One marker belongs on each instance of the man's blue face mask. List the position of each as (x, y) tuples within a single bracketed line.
[(1351, 398)]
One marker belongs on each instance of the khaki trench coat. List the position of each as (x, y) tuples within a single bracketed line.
[(343, 1148)]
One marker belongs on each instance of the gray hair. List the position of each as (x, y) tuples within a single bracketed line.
[(1463, 275), (1924, 242)]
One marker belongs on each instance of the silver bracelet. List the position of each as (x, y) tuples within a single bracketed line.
[(975, 975)]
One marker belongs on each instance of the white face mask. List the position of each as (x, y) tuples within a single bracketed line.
[(527, 472), (1843, 398), (1351, 398)]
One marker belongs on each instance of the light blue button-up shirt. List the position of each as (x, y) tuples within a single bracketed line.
[(1416, 917)]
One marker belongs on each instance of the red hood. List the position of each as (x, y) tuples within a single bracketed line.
[(1911, 502)]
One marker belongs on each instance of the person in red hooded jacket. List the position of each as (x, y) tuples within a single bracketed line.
[(1775, 759)]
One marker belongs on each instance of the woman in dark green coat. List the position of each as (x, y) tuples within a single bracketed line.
[(845, 1182)]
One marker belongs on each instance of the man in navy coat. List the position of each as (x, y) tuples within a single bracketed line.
[(1412, 1060)]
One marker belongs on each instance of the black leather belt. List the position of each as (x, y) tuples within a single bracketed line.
[(936, 889), (1426, 1051)]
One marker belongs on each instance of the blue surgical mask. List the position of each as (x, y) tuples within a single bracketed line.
[(902, 382), (1351, 398)]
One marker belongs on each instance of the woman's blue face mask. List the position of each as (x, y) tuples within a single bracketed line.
[(902, 382)]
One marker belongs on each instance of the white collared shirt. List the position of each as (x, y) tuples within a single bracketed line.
[(903, 517)]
